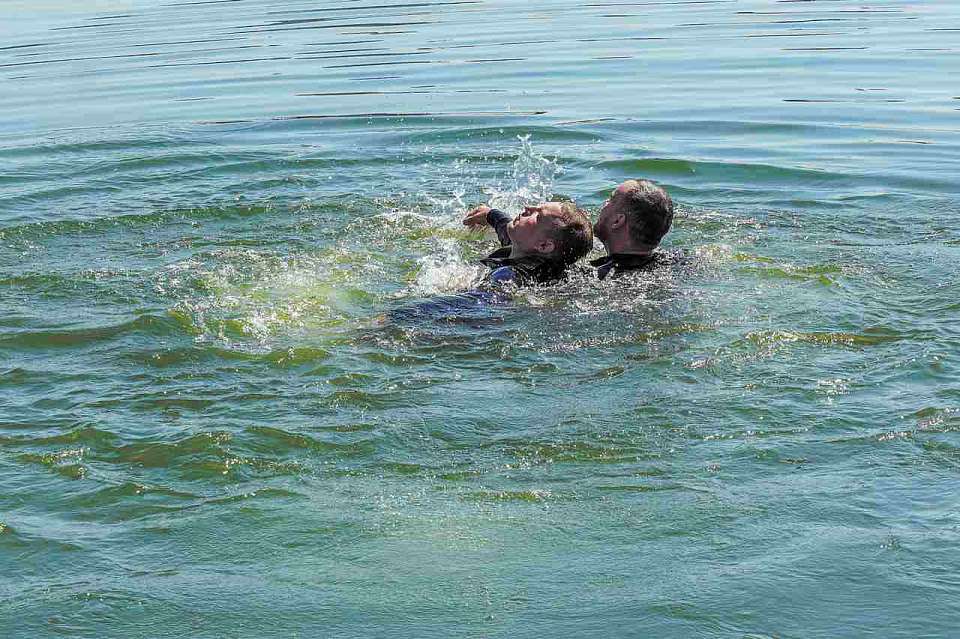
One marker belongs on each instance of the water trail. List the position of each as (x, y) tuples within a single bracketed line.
[(250, 299)]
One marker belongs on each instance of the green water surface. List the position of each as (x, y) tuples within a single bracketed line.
[(208, 428)]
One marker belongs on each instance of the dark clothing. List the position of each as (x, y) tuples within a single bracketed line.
[(475, 306), (530, 269), (498, 221), (617, 264)]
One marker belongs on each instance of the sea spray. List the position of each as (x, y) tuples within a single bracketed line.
[(445, 268)]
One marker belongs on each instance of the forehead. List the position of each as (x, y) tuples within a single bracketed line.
[(551, 208), (550, 213)]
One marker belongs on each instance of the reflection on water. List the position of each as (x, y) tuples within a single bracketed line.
[(208, 209)]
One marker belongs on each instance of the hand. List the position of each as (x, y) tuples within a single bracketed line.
[(477, 217)]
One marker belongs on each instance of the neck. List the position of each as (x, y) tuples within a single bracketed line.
[(623, 245), (516, 253)]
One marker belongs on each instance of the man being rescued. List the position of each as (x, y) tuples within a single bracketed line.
[(538, 245)]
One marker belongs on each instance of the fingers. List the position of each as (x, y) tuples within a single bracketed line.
[(477, 216), (474, 220)]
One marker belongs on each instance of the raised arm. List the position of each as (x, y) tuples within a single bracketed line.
[(485, 216)]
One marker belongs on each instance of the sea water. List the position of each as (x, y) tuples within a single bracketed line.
[(208, 428)]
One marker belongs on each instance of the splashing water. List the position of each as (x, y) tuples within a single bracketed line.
[(533, 179), (249, 299), (244, 299), (445, 269)]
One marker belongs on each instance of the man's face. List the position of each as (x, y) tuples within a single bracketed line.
[(612, 214), (533, 230)]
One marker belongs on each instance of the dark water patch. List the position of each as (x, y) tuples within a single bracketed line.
[(28, 543), (131, 500), (202, 457), (163, 455), (84, 437), (95, 285), (461, 475), (742, 173), (19, 376), (151, 404), (141, 146), (96, 26), (112, 17), (97, 225), (64, 462), (81, 336), (27, 46), (403, 468), (239, 469), (837, 100), (268, 439), (766, 338)]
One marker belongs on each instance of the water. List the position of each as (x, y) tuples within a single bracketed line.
[(208, 430)]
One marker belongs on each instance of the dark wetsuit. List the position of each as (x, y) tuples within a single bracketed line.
[(617, 264)]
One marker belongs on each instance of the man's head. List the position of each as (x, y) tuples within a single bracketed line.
[(556, 230), (635, 217)]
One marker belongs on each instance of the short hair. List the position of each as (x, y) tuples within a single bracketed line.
[(574, 233), (650, 212)]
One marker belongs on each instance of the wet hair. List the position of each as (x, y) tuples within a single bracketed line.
[(650, 212), (573, 233)]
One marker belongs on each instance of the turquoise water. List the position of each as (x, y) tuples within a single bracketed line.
[(208, 430)]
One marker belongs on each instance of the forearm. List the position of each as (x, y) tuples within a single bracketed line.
[(498, 220)]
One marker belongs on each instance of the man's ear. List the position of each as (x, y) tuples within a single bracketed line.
[(546, 247), (618, 220)]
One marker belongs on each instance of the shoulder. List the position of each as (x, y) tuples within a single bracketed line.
[(502, 275)]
